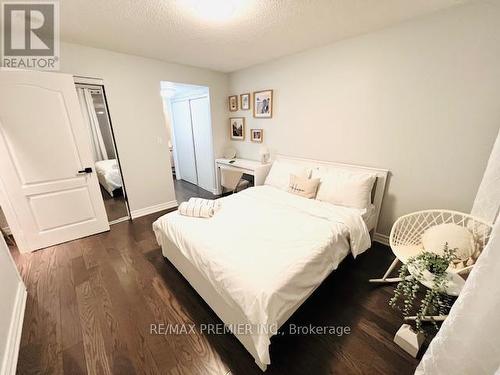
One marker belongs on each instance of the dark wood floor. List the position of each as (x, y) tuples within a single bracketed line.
[(91, 303), (185, 190)]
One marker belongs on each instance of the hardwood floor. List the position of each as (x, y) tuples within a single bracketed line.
[(185, 190), (91, 303)]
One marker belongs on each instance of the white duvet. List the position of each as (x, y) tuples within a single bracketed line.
[(108, 174), (266, 250)]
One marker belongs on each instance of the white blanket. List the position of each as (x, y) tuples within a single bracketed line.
[(108, 175), (266, 250)]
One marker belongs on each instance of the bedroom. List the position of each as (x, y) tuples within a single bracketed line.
[(407, 92)]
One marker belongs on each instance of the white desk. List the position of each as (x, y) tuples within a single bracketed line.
[(254, 168)]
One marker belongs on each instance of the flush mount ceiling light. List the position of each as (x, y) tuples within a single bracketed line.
[(216, 11)]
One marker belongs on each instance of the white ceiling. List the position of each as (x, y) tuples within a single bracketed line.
[(228, 35)]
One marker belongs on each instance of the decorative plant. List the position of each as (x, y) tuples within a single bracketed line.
[(435, 301)]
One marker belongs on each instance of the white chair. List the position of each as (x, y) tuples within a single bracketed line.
[(231, 179), (406, 236)]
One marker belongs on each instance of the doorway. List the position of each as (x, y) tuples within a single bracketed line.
[(92, 98), (187, 110)]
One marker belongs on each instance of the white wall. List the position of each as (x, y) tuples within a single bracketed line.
[(133, 91), (421, 99)]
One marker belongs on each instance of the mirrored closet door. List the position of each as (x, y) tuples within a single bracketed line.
[(106, 163)]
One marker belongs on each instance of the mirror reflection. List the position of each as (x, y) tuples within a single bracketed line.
[(107, 168)]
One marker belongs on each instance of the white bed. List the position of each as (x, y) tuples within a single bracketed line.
[(108, 174), (264, 252)]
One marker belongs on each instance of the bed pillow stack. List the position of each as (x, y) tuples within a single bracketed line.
[(344, 188), (337, 186), (279, 175)]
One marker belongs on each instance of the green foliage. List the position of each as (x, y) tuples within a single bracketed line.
[(435, 301)]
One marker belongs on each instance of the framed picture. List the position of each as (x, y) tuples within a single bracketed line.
[(263, 104), (245, 102), (237, 128), (233, 103), (257, 135)]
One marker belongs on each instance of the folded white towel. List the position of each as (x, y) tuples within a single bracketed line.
[(199, 207)]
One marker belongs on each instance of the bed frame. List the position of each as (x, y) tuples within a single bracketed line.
[(231, 314)]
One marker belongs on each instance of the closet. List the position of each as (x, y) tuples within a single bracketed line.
[(192, 133)]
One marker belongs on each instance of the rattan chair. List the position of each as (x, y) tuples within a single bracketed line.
[(406, 237)]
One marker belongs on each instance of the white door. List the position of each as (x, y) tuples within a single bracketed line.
[(202, 135), (44, 150), (181, 116)]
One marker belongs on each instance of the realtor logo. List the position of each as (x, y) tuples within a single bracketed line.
[(30, 35)]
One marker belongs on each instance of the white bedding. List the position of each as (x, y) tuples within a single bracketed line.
[(369, 215), (266, 250), (108, 175)]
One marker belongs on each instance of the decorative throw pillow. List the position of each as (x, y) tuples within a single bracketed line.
[(456, 236), (344, 188), (303, 186), (279, 175)]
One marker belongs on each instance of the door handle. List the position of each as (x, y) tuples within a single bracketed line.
[(86, 170)]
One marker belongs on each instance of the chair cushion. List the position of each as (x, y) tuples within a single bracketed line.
[(456, 236), (302, 186)]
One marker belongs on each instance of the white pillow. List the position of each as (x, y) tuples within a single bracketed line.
[(455, 235), (279, 175), (304, 187), (344, 188)]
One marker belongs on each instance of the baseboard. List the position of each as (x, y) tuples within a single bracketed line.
[(7, 231), (125, 218), (14, 339), (381, 238), (152, 209)]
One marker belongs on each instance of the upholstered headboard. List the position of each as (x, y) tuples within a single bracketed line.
[(378, 188)]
